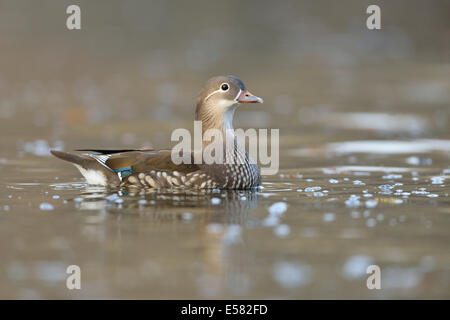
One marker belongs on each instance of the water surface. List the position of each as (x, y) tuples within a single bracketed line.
[(364, 150), (309, 232)]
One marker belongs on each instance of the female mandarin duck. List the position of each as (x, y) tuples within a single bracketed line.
[(149, 168)]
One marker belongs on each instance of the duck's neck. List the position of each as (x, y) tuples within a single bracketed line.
[(214, 118), (222, 122)]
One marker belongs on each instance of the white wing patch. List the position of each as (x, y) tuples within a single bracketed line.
[(94, 177)]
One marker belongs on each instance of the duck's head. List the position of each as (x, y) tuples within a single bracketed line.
[(218, 100)]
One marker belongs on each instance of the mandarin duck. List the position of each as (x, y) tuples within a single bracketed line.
[(149, 168)]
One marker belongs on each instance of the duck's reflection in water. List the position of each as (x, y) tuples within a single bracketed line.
[(212, 206), (210, 223)]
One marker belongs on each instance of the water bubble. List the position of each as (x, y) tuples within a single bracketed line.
[(355, 267), (278, 208), (437, 180), (329, 217), (420, 192), (372, 203), (112, 197), (282, 230), (45, 206), (392, 176), (353, 201), (187, 216), (414, 161), (270, 221), (371, 222), (386, 188), (291, 275), (214, 228), (312, 189), (215, 201)]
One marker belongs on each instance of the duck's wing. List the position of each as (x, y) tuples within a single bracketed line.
[(109, 167), (142, 161)]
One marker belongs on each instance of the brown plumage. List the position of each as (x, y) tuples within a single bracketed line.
[(147, 168)]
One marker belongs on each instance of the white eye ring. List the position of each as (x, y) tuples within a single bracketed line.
[(224, 86)]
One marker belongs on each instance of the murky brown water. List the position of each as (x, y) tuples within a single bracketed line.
[(364, 163)]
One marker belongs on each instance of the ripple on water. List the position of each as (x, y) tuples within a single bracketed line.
[(390, 146)]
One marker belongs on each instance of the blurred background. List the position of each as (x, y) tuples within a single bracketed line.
[(360, 112), (145, 61)]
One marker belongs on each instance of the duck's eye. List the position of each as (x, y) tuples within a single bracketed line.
[(224, 86)]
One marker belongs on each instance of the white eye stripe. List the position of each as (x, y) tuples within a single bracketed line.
[(220, 90), (239, 93), (214, 92)]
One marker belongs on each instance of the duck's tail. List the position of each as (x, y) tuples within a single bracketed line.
[(92, 168)]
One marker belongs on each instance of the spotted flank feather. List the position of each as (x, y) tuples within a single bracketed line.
[(169, 179)]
